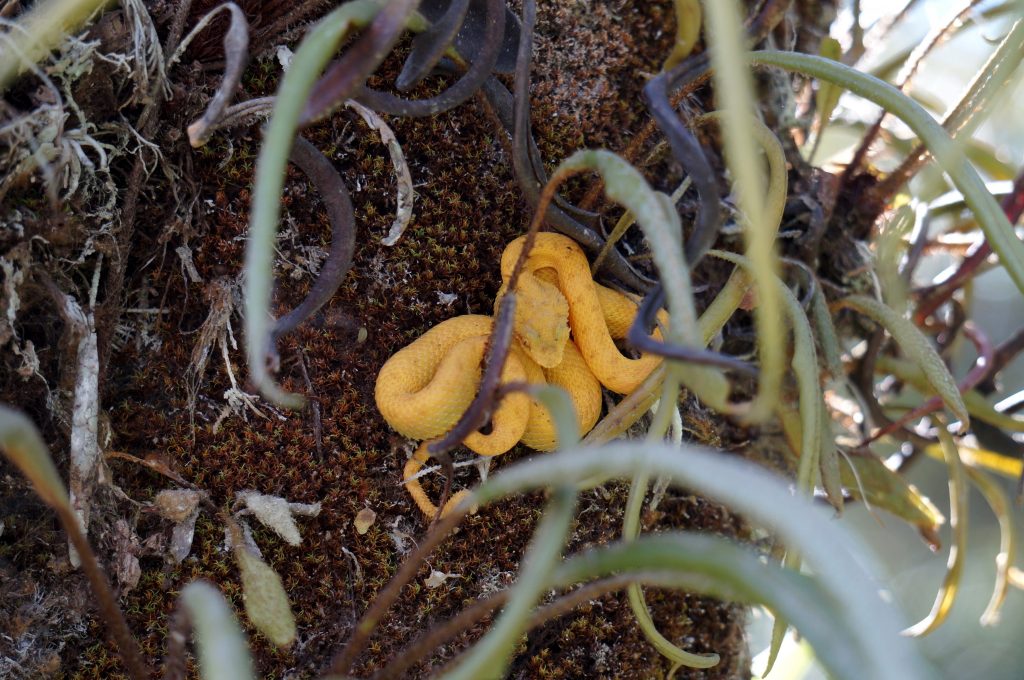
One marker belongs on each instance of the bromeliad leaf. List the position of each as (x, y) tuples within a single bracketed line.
[(917, 347), (867, 477), (20, 440), (993, 221), (223, 650)]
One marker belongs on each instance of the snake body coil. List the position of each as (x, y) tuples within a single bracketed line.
[(565, 330)]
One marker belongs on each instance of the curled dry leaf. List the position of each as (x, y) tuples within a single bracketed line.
[(180, 506), (176, 504), (156, 544), (276, 513), (364, 520), (126, 560), (404, 193), (437, 578), (238, 533), (236, 56), (181, 537)]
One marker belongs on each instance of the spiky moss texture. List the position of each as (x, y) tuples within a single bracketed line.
[(468, 207)]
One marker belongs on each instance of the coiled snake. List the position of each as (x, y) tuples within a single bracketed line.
[(565, 329)]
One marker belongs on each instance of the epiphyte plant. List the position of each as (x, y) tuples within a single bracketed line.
[(805, 318), (817, 453)]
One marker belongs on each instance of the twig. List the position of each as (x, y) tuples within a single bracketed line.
[(993, 76), (149, 119), (937, 37), (386, 597), (314, 406), (1013, 206), (1004, 353), (154, 466), (480, 610), (479, 410), (274, 32), (176, 665)]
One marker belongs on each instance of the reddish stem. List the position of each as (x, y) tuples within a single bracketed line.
[(1013, 206), (980, 370)]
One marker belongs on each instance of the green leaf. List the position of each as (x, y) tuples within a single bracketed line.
[(827, 97), (637, 603), (976, 403), (837, 557), (20, 441), (867, 477), (222, 648), (661, 225), (717, 567), (889, 249), (490, 656), (831, 475), (993, 222), (688, 21), (734, 89), (827, 337), (266, 603), (313, 53), (917, 347)]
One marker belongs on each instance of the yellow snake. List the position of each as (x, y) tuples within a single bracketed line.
[(564, 334)]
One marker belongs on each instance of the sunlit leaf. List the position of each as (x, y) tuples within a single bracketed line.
[(836, 557), (867, 477), (993, 221), (1000, 504), (688, 23), (957, 551)]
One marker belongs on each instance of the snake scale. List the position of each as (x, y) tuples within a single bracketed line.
[(565, 330)]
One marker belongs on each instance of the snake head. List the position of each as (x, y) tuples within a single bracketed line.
[(542, 320)]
